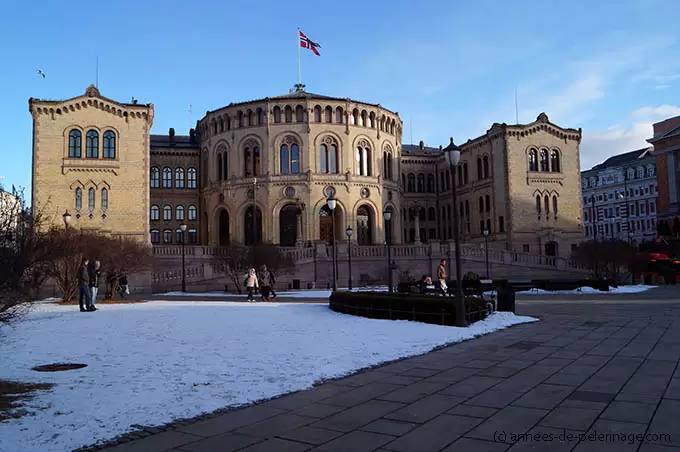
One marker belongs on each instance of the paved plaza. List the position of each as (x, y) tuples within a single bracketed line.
[(597, 373)]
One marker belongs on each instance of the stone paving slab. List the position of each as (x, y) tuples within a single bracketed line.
[(599, 366)]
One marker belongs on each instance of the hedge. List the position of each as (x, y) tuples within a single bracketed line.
[(406, 306)]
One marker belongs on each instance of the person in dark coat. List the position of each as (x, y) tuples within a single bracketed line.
[(123, 288), (94, 273), (267, 282), (83, 286)]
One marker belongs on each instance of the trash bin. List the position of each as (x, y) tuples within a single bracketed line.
[(506, 299), (296, 284)]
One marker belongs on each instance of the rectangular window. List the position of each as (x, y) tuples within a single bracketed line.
[(501, 224), (526, 248)]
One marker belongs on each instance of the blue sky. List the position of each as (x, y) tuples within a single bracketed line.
[(450, 68)]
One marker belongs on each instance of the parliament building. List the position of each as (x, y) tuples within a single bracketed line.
[(262, 170)]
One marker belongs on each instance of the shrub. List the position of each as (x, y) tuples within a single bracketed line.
[(406, 306)]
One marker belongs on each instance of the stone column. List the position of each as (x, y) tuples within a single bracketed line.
[(299, 242), (417, 220)]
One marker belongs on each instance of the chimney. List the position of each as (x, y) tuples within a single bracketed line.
[(421, 145), (192, 135), (171, 133)]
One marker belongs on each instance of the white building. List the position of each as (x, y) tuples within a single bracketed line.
[(10, 212), (619, 198)]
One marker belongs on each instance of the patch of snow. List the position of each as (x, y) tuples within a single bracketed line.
[(585, 290), (153, 363)]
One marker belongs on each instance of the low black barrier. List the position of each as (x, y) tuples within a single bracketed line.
[(406, 306), (478, 287)]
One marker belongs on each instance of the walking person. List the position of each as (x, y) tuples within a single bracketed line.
[(267, 282), (94, 273), (251, 284), (83, 286), (123, 288), (441, 275)]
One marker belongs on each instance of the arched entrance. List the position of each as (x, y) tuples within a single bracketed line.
[(223, 228), (364, 227), (326, 216), (252, 226), (551, 249), (288, 224)]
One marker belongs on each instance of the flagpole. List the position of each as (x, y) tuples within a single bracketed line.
[(298, 47)]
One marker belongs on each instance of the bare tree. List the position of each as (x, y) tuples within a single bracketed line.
[(124, 256), (236, 259), (610, 259)]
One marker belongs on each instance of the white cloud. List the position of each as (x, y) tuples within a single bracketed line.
[(597, 146), (662, 86), (660, 112)]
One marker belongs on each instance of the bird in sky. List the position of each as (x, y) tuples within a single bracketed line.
[(40, 72)]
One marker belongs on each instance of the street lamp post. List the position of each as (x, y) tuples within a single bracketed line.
[(254, 227), (349, 231), (332, 202), (67, 219), (387, 215), (183, 228), (452, 153), (486, 251)]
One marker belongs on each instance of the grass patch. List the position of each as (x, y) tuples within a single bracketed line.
[(123, 301), (13, 393)]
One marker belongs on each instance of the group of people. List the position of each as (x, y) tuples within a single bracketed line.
[(264, 282), (88, 285)]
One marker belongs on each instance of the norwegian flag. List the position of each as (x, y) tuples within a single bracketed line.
[(307, 43)]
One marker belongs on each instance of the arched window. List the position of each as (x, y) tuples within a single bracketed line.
[(167, 236), (288, 113), (155, 177), (227, 121), (192, 236), (538, 204), (251, 153), (355, 117), (179, 177), (431, 214), (155, 236), (219, 167), (75, 139), (363, 157), (547, 204), (363, 119), (339, 115), (79, 199), (105, 200), (371, 120), (430, 183), (485, 164), (465, 173), (411, 183), (533, 160), (555, 161), (90, 199), (317, 114), (481, 204), (192, 213), (221, 122), (179, 235), (191, 177), (403, 181), (421, 183), (277, 114), (487, 200), (260, 117), (329, 156), (167, 177), (328, 114), (460, 175), (299, 114), (544, 161), (239, 115), (179, 213), (555, 205), (641, 173), (155, 213), (249, 118), (167, 213), (289, 154), (479, 169), (92, 144), (109, 145)]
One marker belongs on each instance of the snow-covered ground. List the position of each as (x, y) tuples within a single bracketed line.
[(152, 363), (585, 290), (310, 293)]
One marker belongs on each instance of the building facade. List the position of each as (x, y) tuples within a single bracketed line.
[(620, 198), (261, 171), (91, 158), (666, 143)]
